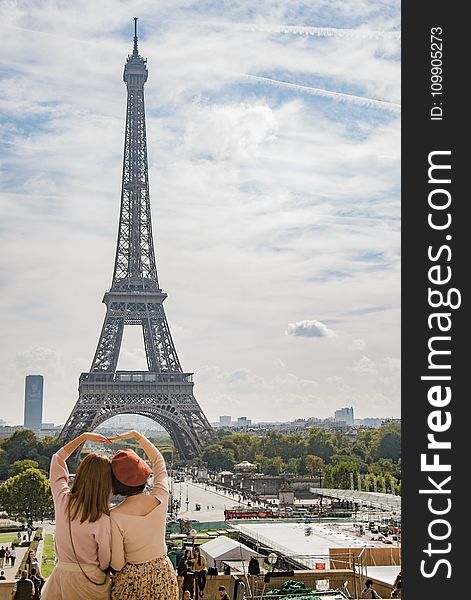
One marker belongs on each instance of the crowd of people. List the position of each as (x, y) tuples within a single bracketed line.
[(191, 573), (7, 556), (30, 581)]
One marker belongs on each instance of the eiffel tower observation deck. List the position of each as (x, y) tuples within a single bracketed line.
[(164, 393)]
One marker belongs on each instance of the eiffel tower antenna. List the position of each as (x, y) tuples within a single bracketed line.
[(135, 51), (164, 393)]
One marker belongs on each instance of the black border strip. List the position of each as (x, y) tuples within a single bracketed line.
[(422, 135)]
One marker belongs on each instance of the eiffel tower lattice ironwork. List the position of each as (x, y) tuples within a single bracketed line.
[(164, 393)]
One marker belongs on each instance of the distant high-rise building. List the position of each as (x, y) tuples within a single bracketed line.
[(225, 421), (243, 422), (33, 401), (345, 415)]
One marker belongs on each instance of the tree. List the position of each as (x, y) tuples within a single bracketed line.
[(389, 445), (295, 465), (22, 444), (321, 443), (4, 464), (341, 474), (273, 444), (219, 458), (27, 495), (328, 481), (295, 446), (314, 464), (21, 465), (365, 444), (272, 466), (248, 445)]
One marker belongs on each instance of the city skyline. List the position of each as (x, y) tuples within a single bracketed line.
[(282, 272)]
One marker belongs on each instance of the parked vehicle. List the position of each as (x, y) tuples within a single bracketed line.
[(248, 512)]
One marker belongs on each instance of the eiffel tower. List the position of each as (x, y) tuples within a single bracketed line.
[(164, 393)]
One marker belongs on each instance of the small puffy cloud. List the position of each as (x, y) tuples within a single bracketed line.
[(309, 328), (364, 365)]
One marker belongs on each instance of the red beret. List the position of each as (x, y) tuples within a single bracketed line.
[(129, 468)]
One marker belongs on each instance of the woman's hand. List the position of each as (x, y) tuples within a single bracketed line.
[(96, 437), (125, 436), (72, 446)]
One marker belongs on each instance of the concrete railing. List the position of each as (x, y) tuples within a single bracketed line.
[(6, 588)]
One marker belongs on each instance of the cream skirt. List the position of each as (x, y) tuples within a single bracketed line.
[(153, 580), (67, 582)]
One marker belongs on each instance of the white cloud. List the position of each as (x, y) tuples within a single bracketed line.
[(309, 328), (230, 132)]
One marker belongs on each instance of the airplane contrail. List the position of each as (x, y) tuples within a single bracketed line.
[(339, 96), (299, 29), (324, 31)]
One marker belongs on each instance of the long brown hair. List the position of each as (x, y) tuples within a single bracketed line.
[(91, 489)]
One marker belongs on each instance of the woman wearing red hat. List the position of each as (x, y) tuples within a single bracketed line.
[(83, 531), (138, 549)]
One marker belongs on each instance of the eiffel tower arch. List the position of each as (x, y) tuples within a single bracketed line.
[(164, 393)]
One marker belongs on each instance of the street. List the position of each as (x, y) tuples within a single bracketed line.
[(213, 503)]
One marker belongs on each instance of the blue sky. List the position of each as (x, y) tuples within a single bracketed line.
[(276, 210)]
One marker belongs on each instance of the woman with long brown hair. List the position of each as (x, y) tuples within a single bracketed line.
[(83, 531)]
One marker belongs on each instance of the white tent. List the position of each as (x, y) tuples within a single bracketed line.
[(245, 465), (224, 548)]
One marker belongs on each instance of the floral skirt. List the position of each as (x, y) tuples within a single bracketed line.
[(153, 580)]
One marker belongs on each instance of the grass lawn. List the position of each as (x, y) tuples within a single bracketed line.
[(7, 538), (197, 541), (47, 563)]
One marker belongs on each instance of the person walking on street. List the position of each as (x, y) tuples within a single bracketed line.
[(38, 582), (23, 588), (138, 549), (200, 571), (254, 566), (83, 530), (12, 556), (184, 564), (2, 556), (189, 581), (7, 556), (32, 563)]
